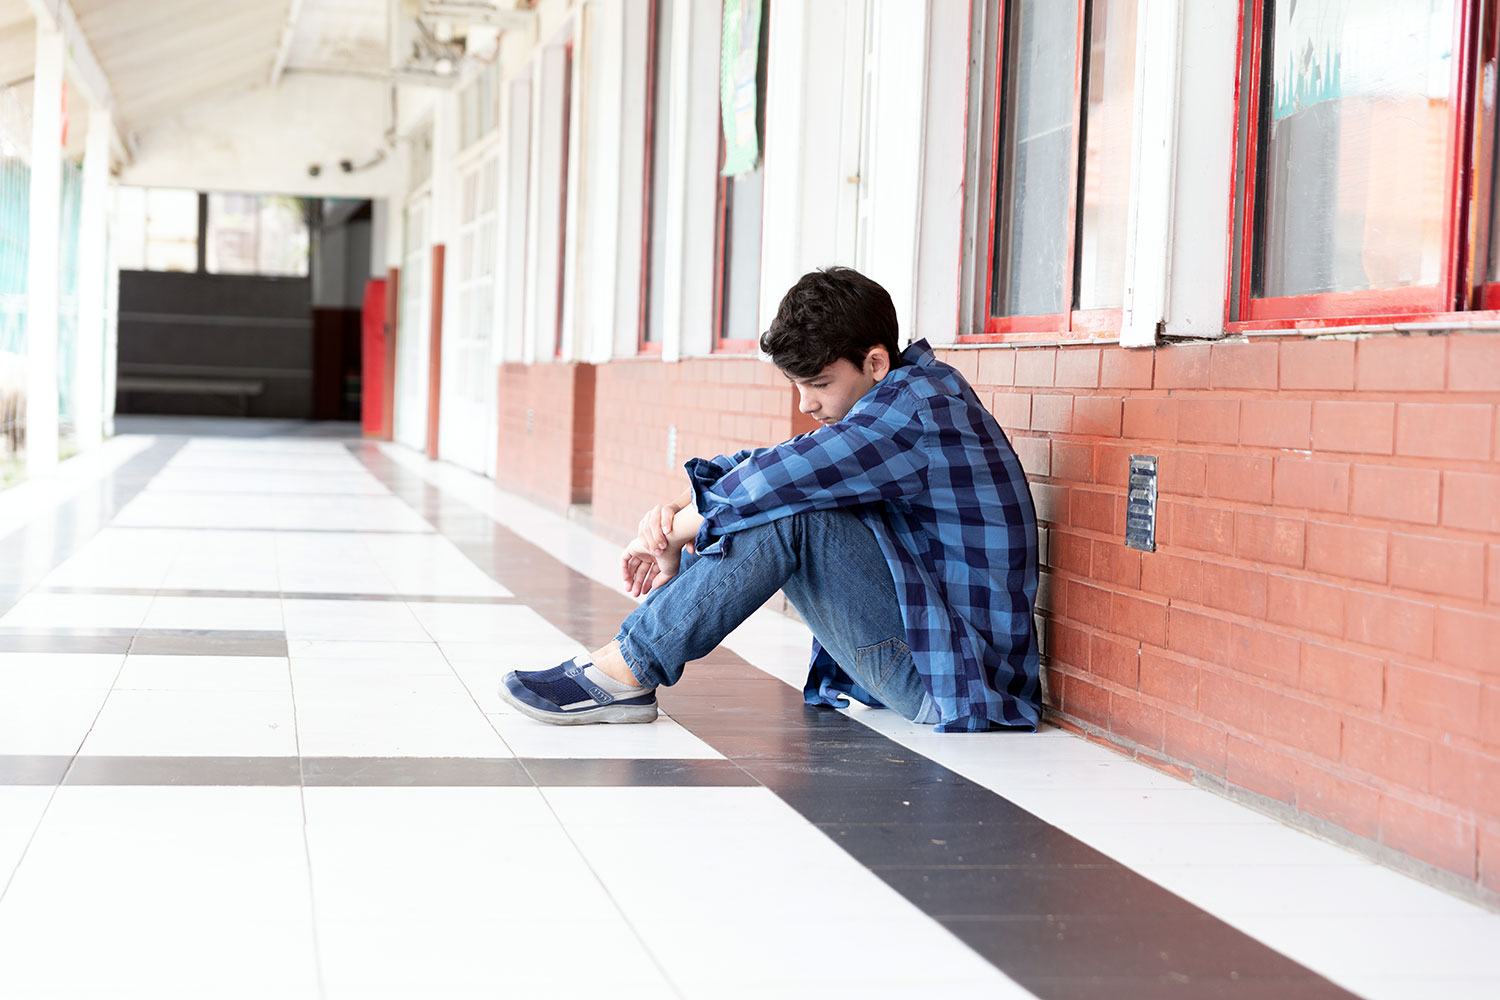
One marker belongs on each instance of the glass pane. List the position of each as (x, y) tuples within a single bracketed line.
[(231, 233), (130, 228), (171, 230), (742, 197), (1487, 95), (1353, 176), (1104, 199), (656, 277), (1031, 201), (283, 245)]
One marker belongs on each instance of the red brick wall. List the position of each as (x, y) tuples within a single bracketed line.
[(1320, 623), (552, 458), (718, 405)]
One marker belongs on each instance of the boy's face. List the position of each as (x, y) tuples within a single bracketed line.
[(829, 395)]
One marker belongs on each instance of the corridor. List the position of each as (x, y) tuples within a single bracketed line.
[(250, 747)]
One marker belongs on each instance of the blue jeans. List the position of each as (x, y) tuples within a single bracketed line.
[(831, 568)]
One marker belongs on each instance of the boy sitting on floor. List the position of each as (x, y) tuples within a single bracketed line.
[(901, 530)]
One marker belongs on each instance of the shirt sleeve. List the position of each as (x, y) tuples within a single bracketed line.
[(870, 456)]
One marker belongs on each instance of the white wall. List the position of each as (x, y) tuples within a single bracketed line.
[(263, 141)]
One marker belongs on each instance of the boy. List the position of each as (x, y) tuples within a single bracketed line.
[(901, 530)]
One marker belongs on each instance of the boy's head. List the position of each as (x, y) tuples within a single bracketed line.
[(835, 336)]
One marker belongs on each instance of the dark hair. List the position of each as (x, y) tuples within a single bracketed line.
[(830, 313)]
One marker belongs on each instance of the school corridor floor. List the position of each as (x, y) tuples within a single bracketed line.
[(250, 747)]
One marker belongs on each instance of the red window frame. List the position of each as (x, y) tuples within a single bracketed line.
[(1467, 197), (562, 212), (1084, 323), (648, 235), (722, 344)]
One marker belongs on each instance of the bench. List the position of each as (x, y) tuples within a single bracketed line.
[(244, 389)]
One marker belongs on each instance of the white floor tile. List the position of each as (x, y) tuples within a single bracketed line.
[(338, 722), (205, 673), (663, 738), (52, 611), (48, 721), (418, 654), (20, 810), (194, 723), (362, 620), (67, 671), (216, 613), (498, 624)]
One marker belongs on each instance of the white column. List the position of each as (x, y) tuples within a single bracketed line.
[(42, 268), (93, 230)]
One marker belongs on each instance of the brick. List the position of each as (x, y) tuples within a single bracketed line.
[(1494, 575), (1317, 364), (1114, 563), (1304, 604), (996, 366), (1072, 461), (1473, 363), (1035, 454), (1243, 366), (1202, 637), (1388, 753), (1467, 778), (1304, 726), (1343, 550), (1093, 510), (1262, 538), (1400, 363), (1150, 418), (1200, 745), (1209, 529), (1077, 367), (1424, 697), (1112, 468), (1489, 857), (1444, 430), (1438, 566), (1126, 368), (1471, 501), (1012, 410), (1067, 644), (1258, 651), (1169, 679), (1388, 622), (1086, 604), (1035, 366), (1347, 802), (1489, 709), (1349, 677), (1184, 473), (1139, 619), (1261, 769), (1071, 553), (1182, 366), (1231, 588), (1172, 576), (966, 361), (1314, 485), (1395, 493), (1052, 413), (1240, 477), (1211, 421), (1468, 639), (1051, 502), (1135, 720), (1098, 415), (1114, 661), (1437, 838), (1276, 423), (1365, 428), (1084, 701), (1234, 703)]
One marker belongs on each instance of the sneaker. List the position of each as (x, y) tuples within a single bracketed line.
[(566, 696)]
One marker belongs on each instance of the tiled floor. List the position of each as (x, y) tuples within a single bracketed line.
[(250, 747)]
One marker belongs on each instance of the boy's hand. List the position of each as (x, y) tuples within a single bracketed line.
[(644, 570), (656, 525)]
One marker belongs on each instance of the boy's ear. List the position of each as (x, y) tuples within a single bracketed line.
[(878, 362)]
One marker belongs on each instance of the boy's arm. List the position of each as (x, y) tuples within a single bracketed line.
[(656, 524), (644, 568)]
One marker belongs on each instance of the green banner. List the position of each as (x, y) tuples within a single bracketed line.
[(739, 56)]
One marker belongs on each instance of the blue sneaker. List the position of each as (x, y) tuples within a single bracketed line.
[(566, 695)]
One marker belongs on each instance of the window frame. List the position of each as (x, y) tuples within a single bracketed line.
[(1090, 324), (566, 147), (648, 199), (1456, 294), (723, 213)]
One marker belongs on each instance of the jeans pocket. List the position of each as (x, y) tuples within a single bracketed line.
[(873, 664)]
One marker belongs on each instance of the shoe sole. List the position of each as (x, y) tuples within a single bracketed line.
[(615, 714)]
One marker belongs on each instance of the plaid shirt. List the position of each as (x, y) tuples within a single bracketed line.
[(928, 469)]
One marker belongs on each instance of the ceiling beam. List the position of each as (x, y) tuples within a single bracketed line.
[(288, 32), (479, 13), (57, 15)]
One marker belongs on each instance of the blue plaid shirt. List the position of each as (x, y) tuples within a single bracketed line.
[(925, 465)]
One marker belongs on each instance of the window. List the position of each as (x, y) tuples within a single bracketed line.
[(737, 286), (478, 107), (156, 229), (1363, 191), (256, 234), (1060, 179), (654, 262)]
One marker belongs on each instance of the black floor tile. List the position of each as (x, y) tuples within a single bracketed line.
[(600, 772), (412, 772), (1023, 892), (33, 769), (1027, 843), (195, 771)]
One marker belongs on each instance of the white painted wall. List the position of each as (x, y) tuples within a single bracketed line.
[(264, 140), (940, 223)]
